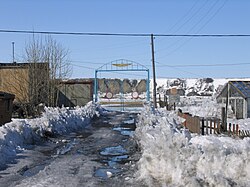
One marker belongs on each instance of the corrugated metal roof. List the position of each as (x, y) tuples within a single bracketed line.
[(243, 87)]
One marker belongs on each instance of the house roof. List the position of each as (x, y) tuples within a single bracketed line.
[(22, 65), (243, 87)]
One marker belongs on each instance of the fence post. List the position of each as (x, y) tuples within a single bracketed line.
[(214, 125), (234, 129), (237, 130), (197, 124), (229, 129), (219, 126), (223, 118), (165, 101), (211, 126), (206, 126), (202, 126)]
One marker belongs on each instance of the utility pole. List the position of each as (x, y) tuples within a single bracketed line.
[(153, 64)]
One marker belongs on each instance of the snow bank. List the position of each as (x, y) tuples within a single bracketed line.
[(18, 134), (201, 106), (171, 156)]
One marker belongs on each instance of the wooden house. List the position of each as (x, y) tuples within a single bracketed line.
[(237, 95), (6, 105), (24, 80)]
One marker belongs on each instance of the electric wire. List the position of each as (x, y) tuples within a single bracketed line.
[(190, 30), (122, 34), (205, 65)]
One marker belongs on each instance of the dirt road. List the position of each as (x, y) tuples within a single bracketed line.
[(104, 154)]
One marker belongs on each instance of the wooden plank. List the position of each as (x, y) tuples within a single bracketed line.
[(211, 124), (237, 130), (206, 126)]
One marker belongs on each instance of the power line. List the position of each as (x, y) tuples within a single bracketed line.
[(82, 66), (193, 15), (193, 28), (85, 62), (204, 65), (121, 34)]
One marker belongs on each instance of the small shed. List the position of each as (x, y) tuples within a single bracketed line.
[(237, 95), (6, 105)]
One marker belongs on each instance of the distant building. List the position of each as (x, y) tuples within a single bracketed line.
[(237, 93), (24, 80), (175, 91), (6, 105)]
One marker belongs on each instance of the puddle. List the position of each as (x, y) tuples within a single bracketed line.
[(127, 133), (106, 173), (131, 121), (119, 158), (66, 148), (114, 123), (113, 161), (113, 151), (84, 135), (124, 131)]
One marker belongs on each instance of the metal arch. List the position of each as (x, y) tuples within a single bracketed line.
[(121, 65)]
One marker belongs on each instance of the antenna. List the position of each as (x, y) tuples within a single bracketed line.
[(13, 52)]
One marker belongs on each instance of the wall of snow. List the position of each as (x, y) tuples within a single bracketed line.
[(18, 134), (198, 86), (171, 156)]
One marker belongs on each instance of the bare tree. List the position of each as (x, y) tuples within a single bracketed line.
[(48, 65)]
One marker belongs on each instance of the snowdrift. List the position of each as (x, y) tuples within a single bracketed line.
[(19, 134), (171, 156)]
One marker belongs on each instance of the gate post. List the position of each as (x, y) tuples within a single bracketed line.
[(96, 85)]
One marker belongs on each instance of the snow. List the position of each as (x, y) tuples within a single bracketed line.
[(198, 85), (207, 107), (21, 133), (171, 156)]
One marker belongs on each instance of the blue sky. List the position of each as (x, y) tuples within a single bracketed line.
[(137, 16)]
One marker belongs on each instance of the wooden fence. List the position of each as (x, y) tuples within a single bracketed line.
[(205, 126)]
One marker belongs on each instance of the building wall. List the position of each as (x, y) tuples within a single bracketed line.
[(240, 106), (25, 80), (75, 94), (15, 81)]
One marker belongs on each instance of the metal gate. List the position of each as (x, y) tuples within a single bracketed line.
[(115, 95)]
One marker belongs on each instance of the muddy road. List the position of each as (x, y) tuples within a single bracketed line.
[(104, 154)]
